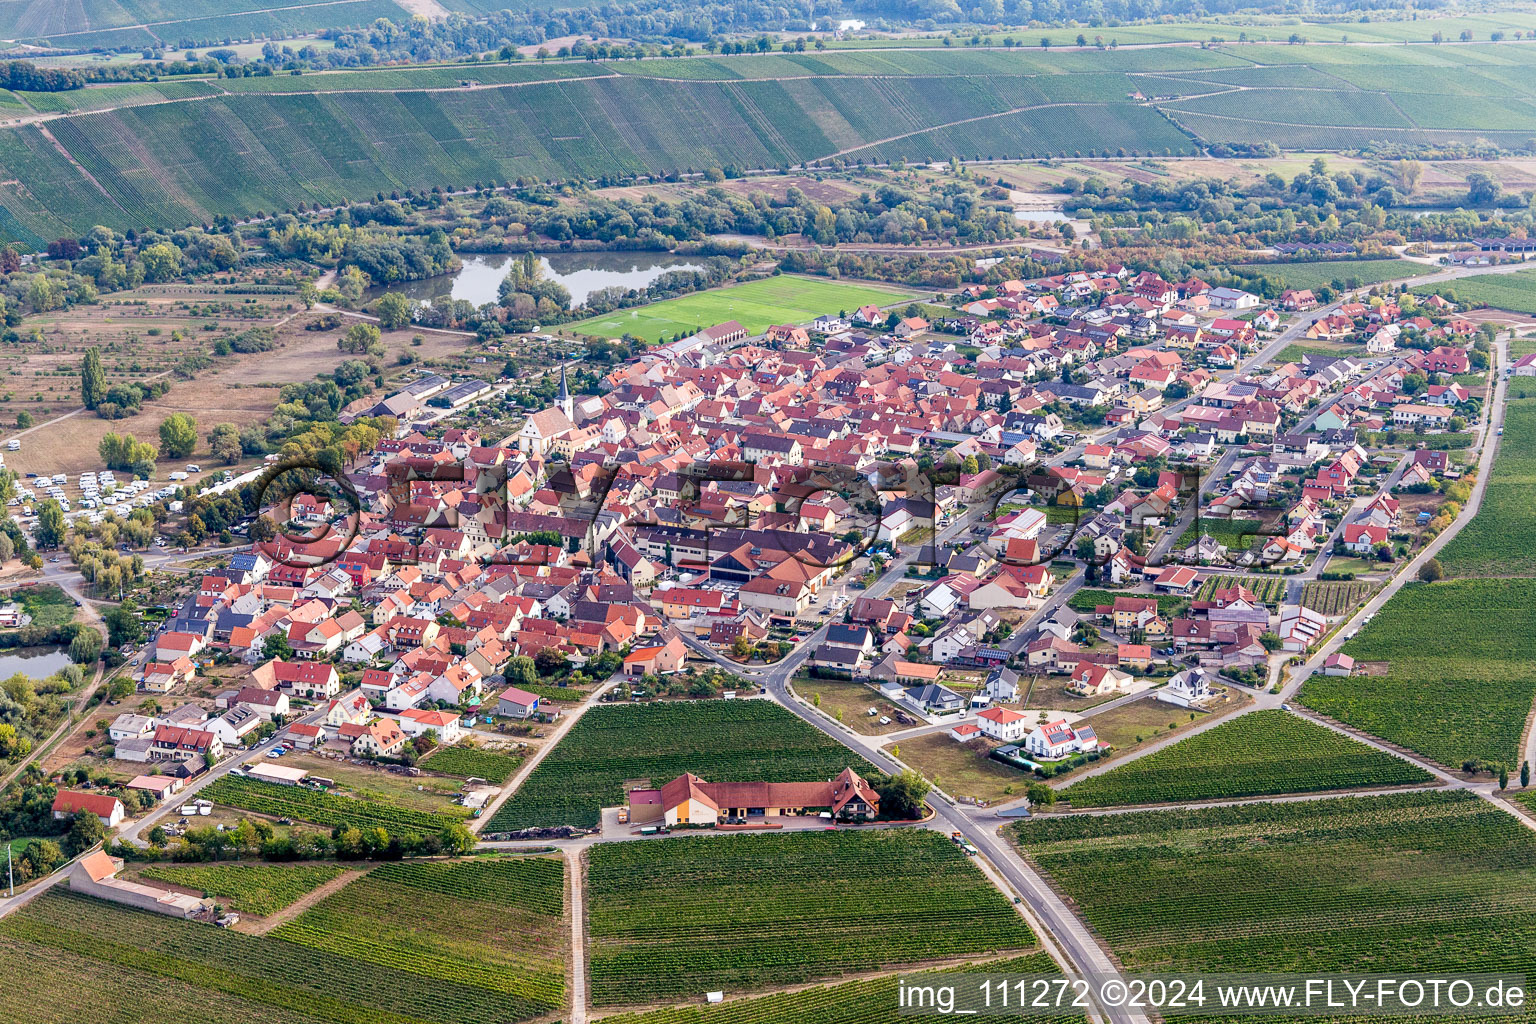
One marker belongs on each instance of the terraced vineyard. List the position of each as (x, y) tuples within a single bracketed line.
[(722, 741), (494, 925), (1264, 753), (1404, 883), (852, 1002), (757, 910), (471, 761), (1268, 589), (1449, 701), (319, 147), (313, 138), (259, 889), (1334, 597), (319, 808), (115, 23), (224, 975)]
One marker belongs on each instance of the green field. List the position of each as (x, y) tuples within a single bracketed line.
[(1466, 699), (1085, 601), (720, 741), (497, 925), (259, 889), (466, 761), (94, 962), (1514, 291), (1383, 884), (756, 305), (756, 910), (328, 809), (1501, 539), (48, 605), (1264, 753), (1336, 273), (851, 1002), (1295, 353)]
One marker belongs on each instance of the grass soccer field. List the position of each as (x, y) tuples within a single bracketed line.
[(1400, 883), (1260, 754), (785, 299), (685, 915)]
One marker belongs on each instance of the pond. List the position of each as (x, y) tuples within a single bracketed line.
[(37, 662), (582, 273), (1425, 211), (1040, 216), (1036, 208)]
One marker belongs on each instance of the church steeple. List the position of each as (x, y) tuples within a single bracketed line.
[(567, 405)]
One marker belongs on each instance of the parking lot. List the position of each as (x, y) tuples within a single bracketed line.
[(92, 494)]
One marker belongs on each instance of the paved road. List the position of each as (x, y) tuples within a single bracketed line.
[(1077, 942), (135, 832), (1186, 518), (567, 720)]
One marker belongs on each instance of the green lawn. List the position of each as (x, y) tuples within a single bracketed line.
[(1328, 350), (785, 299)]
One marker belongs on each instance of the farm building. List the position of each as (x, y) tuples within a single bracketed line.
[(281, 774), (96, 875), (688, 799)]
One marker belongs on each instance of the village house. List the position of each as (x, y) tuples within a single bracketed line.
[(1057, 740), (662, 659), (68, 803), (1002, 724), (516, 703)]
